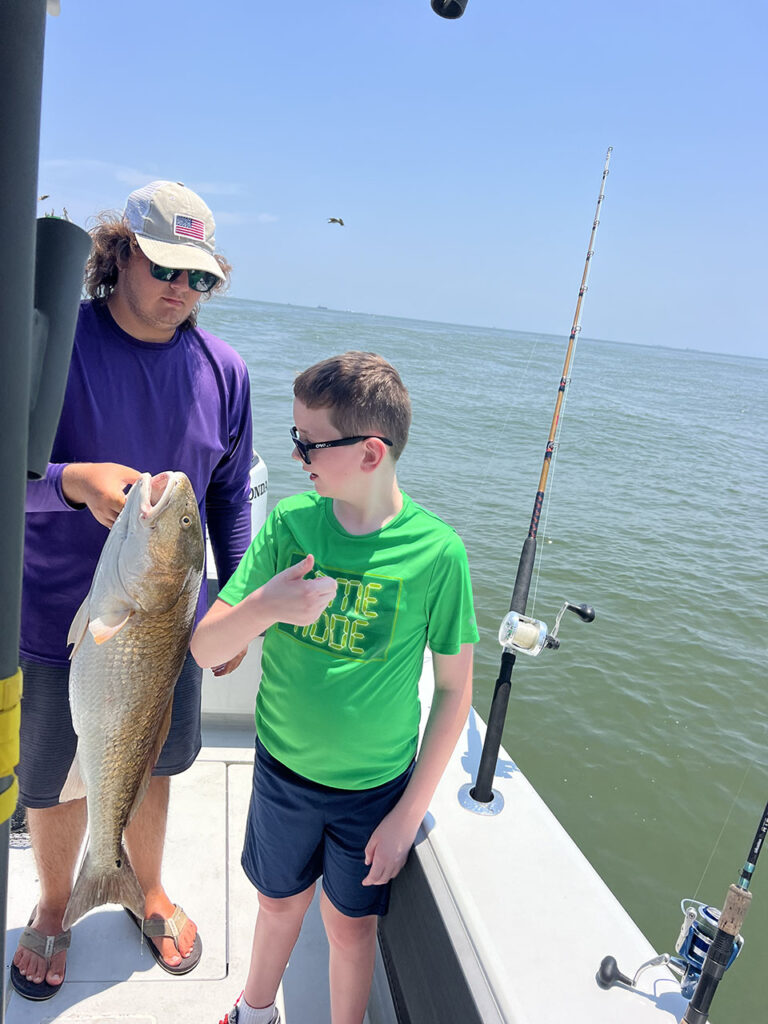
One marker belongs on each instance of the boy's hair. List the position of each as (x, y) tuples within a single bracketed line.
[(363, 393)]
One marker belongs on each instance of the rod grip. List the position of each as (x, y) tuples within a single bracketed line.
[(523, 577), (737, 902)]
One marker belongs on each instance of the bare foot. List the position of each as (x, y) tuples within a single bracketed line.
[(32, 966), (159, 906)]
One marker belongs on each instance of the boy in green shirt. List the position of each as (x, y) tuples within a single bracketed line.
[(349, 582)]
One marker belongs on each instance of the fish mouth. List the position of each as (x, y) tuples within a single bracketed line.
[(156, 493)]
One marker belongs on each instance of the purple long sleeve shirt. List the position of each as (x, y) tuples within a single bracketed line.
[(179, 405)]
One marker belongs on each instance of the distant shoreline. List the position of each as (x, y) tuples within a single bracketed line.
[(524, 334)]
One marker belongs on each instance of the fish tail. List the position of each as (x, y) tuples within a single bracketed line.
[(94, 887)]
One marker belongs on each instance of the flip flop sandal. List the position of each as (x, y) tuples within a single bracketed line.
[(46, 946), (169, 928)]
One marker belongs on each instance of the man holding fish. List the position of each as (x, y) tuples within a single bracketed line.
[(148, 392)]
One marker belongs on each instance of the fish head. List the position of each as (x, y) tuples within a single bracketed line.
[(163, 551)]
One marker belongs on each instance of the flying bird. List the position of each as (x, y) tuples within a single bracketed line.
[(336, 220), (41, 198)]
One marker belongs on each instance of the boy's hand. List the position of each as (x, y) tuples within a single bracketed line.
[(229, 666), (297, 601), (387, 849)]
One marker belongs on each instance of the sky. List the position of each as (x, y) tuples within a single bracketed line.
[(465, 157)]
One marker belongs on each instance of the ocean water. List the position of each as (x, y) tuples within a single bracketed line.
[(646, 733)]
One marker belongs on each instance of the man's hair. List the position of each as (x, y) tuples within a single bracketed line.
[(363, 394), (114, 243)]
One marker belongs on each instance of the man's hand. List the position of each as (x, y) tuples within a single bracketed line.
[(98, 485), (387, 849), (297, 601)]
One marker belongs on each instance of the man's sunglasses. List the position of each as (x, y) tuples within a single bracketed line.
[(199, 280), (304, 447)]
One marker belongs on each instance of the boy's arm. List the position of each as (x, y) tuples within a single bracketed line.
[(391, 840), (287, 597)]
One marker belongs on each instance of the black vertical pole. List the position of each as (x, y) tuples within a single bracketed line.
[(22, 29), (41, 263)]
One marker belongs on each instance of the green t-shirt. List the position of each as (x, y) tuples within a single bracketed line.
[(338, 701)]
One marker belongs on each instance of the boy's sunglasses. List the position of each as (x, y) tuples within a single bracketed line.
[(304, 447), (199, 280)]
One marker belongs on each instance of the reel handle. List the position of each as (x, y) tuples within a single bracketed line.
[(585, 612), (609, 973)]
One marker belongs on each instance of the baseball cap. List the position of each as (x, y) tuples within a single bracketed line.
[(173, 226)]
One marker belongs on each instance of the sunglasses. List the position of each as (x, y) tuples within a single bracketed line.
[(199, 280), (304, 447)]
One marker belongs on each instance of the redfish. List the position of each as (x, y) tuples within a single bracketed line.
[(130, 635)]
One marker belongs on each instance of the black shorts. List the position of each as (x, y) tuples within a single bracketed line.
[(48, 741), (299, 830)]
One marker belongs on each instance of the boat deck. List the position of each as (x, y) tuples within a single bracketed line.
[(505, 887), (201, 871)]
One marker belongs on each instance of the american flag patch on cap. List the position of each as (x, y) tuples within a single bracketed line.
[(188, 227)]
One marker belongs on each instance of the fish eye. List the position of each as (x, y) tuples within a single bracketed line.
[(185, 522)]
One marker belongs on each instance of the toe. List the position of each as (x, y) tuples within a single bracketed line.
[(27, 962), (169, 952), (33, 968), (55, 974), (187, 938)]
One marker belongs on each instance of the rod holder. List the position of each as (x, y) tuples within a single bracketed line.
[(60, 256)]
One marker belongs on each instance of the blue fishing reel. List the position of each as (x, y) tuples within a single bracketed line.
[(698, 929), (696, 934)]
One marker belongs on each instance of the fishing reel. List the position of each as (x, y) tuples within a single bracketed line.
[(524, 635), (697, 931)]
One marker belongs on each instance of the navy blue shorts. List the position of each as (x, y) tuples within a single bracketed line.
[(48, 741), (298, 830)]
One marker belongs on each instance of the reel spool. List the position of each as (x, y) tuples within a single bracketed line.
[(523, 635)]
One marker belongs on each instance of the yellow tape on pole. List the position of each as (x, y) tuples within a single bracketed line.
[(8, 801), (10, 717)]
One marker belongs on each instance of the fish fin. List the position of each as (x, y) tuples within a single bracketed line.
[(93, 888), (162, 736), (102, 628), (79, 626), (108, 624), (74, 786)]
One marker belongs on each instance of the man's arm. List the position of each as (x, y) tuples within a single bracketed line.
[(287, 597), (227, 506), (391, 840), (73, 486)]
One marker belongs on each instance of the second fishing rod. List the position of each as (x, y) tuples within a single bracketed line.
[(519, 633)]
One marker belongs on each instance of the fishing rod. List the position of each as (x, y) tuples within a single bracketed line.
[(708, 943), (518, 633)]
